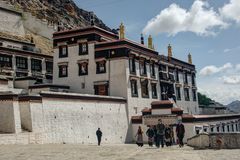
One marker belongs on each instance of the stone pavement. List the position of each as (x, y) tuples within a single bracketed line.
[(110, 152)]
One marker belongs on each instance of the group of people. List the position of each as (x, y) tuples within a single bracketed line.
[(161, 134)]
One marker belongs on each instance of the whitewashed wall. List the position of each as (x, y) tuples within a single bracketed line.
[(9, 116), (191, 106), (76, 121), (11, 22)]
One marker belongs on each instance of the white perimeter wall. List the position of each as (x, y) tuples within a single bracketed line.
[(9, 117), (76, 121)]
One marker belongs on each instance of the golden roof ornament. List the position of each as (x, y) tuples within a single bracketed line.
[(189, 58), (169, 50), (150, 42), (122, 31)]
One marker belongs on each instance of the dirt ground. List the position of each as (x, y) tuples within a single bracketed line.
[(110, 152)]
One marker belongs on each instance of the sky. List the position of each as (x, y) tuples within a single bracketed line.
[(208, 29)]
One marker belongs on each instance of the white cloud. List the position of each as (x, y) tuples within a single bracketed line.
[(231, 10), (235, 79), (238, 67), (224, 94), (209, 70), (226, 50), (199, 19)]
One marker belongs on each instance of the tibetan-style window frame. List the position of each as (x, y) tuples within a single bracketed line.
[(60, 69), (61, 49), (143, 66), (132, 64), (83, 48), (101, 64), (134, 87), (144, 87), (81, 66), (154, 90)]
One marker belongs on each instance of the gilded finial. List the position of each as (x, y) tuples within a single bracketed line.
[(169, 50), (150, 42), (190, 58), (122, 31)]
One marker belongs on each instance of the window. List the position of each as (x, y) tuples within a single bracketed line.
[(101, 67), (177, 75), (163, 72), (171, 74), (63, 71), (132, 65), (212, 129), (21, 63), (236, 127), (143, 68), (83, 48), (36, 65), (144, 87), (5, 61), (185, 78), (152, 69), (134, 88), (154, 90), (193, 79), (194, 95), (83, 68), (178, 90), (218, 129), (186, 94), (63, 51), (228, 128), (223, 128), (101, 89), (49, 67), (232, 126)]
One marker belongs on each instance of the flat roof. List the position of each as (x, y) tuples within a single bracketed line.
[(199, 118), (48, 86), (64, 95)]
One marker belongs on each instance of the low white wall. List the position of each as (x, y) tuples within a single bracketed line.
[(199, 141), (25, 115), (6, 117), (76, 121), (9, 116)]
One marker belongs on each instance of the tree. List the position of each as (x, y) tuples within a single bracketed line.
[(204, 100)]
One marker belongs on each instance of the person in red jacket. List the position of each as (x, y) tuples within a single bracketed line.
[(180, 130)]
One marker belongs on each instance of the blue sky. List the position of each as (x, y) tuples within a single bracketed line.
[(210, 30)]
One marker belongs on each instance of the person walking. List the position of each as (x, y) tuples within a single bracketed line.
[(180, 130), (99, 136), (139, 136), (160, 134), (150, 134), (168, 136)]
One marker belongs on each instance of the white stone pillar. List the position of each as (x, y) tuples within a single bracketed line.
[(44, 70), (14, 62), (29, 66), (16, 114), (44, 67)]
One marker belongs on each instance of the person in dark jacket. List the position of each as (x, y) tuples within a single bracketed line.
[(160, 134), (180, 130), (99, 136), (168, 136), (150, 133)]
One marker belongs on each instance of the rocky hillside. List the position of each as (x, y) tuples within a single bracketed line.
[(234, 106), (65, 11)]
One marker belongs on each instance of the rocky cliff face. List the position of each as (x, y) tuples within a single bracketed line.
[(54, 11)]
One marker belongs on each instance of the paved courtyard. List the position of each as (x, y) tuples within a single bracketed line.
[(110, 152)]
